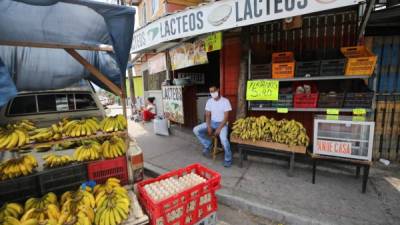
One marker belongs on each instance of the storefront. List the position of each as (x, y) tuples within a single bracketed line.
[(302, 36)]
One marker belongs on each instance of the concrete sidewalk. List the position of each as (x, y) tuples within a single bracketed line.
[(263, 188)]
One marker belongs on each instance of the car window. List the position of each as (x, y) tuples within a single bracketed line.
[(47, 103), (64, 102), (71, 102), (23, 105), (84, 101)]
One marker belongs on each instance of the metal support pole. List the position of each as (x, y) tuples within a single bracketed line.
[(365, 19)]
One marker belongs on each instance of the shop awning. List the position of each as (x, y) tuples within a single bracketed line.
[(223, 15), (35, 34)]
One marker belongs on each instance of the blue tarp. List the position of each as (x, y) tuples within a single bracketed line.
[(72, 22)]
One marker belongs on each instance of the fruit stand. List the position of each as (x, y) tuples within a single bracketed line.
[(74, 171), (263, 135)]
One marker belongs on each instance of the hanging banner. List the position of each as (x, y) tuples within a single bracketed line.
[(188, 54), (173, 103), (157, 63), (262, 90), (223, 15), (213, 42)]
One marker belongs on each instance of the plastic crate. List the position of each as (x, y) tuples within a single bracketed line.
[(260, 104), (332, 67), (61, 179), (305, 100), (260, 71), (358, 100), (330, 100), (187, 207), (101, 170), (19, 189), (284, 101), (308, 68), (283, 65), (360, 61)]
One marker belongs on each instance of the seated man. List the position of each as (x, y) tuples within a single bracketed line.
[(217, 112)]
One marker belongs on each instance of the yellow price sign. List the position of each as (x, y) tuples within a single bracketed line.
[(332, 117), (213, 42), (282, 110), (262, 90), (358, 118), (332, 111), (359, 112)]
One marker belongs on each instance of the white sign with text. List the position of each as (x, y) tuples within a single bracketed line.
[(223, 15)]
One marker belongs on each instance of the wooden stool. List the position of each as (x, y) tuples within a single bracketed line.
[(215, 150)]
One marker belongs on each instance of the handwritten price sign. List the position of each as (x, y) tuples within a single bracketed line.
[(262, 90)]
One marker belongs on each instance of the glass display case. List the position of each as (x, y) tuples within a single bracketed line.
[(343, 136)]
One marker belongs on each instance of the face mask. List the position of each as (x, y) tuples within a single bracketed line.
[(214, 94)]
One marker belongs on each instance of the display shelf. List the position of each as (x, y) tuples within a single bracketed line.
[(303, 109), (99, 134), (270, 145), (339, 77)]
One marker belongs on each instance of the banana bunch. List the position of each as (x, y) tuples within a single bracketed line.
[(77, 198), (49, 212), (13, 137), (9, 220), (25, 125), (16, 167), (113, 147), (66, 144), (113, 123), (261, 128), (44, 147), (79, 128), (41, 203), (11, 209), (52, 160), (77, 208), (90, 150), (45, 134), (110, 183), (112, 206)]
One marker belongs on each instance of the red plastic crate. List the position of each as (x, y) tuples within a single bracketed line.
[(100, 171), (309, 100), (305, 100), (187, 207)]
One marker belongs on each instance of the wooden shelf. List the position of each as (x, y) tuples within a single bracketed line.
[(270, 145), (302, 109), (97, 135), (339, 77)]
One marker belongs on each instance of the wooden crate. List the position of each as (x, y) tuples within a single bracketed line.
[(271, 145)]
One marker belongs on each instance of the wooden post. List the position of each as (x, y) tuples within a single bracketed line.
[(132, 88), (94, 71), (123, 96), (168, 65), (244, 67)]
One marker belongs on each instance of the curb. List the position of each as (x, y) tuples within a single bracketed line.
[(231, 200)]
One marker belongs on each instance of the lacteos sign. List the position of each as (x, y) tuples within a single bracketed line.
[(223, 15)]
